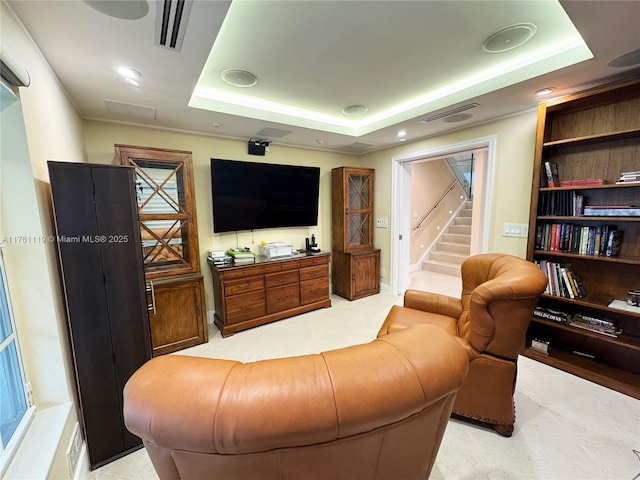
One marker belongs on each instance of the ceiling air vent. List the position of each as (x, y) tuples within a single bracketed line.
[(358, 147), (171, 23), (448, 113)]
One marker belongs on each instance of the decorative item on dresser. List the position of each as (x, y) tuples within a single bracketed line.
[(268, 290), (356, 264), (101, 265), (593, 137), (169, 231)]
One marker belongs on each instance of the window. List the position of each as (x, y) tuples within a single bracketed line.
[(13, 398)]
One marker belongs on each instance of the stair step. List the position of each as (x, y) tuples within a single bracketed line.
[(465, 212), (457, 238), (462, 221), (453, 247), (448, 257), (441, 267), (460, 229)]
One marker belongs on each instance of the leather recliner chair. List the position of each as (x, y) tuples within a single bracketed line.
[(499, 294), (377, 410)]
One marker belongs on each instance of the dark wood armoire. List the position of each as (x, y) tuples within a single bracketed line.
[(98, 239)]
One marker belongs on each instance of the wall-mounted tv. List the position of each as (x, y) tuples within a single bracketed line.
[(255, 195)]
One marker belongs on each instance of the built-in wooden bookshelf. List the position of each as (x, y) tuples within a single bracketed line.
[(594, 134)]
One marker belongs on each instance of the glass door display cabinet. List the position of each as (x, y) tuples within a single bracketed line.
[(355, 263), (352, 191), (166, 210), (165, 197)]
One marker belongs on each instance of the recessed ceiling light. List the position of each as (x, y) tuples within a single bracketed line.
[(355, 110), (509, 37), (130, 76), (545, 91), (128, 72), (131, 81), (402, 133), (239, 78)]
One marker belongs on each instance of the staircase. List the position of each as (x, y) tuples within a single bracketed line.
[(453, 246)]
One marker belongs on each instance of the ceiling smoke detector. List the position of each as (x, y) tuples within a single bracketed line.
[(509, 37), (239, 78)]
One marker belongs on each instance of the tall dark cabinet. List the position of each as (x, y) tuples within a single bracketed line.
[(100, 252)]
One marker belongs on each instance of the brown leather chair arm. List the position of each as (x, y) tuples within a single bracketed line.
[(433, 302), (501, 308), (207, 405)]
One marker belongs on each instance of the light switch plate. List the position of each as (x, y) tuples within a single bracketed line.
[(515, 230), (382, 222)]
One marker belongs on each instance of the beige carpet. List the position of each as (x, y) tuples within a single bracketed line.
[(566, 427)]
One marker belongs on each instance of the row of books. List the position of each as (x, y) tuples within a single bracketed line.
[(594, 324), (579, 320), (565, 203), (611, 211), (631, 176), (601, 240), (553, 178), (562, 281), (232, 256)]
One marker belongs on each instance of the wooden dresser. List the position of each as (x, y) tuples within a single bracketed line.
[(250, 295)]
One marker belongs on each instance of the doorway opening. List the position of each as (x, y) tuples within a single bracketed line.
[(479, 187)]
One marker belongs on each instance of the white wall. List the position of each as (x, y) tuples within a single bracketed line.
[(511, 181), (102, 136), (53, 132)]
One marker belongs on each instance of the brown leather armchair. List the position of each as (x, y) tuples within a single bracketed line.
[(499, 294), (377, 410)]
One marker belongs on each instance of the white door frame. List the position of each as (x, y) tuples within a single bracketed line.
[(401, 202)]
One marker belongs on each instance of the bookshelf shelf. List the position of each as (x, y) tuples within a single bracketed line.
[(612, 186), (595, 258), (591, 134), (622, 340), (592, 370), (593, 139)]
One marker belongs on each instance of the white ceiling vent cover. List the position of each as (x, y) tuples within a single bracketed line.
[(448, 113), (171, 23), (358, 147)]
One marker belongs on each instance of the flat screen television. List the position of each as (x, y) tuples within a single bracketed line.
[(255, 195)]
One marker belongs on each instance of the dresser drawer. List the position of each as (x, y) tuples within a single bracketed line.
[(239, 272), (282, 278), (312, 261), (283, 298), (245, 307), (281, 266), (243, 285), (314, 290), (309, 273)]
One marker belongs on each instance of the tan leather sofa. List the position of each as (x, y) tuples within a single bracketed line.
[(499, 294), (377, 410)]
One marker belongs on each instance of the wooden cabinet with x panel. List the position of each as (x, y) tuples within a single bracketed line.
[(355, 263), (169, 232)]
